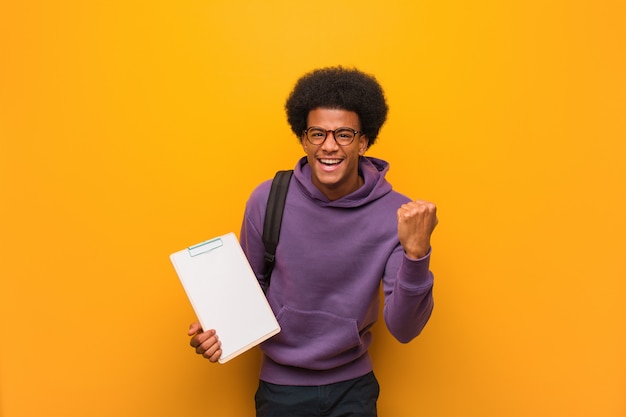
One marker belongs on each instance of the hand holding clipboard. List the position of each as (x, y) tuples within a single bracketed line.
[(225, 294)]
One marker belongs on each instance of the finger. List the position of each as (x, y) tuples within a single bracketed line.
[(194, 328), (206, 343), (212, 350), (216, 356), (408, 211), (201, 338), (404, 212), (417, 207)]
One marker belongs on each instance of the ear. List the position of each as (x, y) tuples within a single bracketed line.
[(363, 142)]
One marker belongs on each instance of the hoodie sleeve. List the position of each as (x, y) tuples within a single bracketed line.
[(408, 295), (251, 235)]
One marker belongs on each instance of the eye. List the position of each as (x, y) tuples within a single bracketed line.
[(344, 133), (316, 134)]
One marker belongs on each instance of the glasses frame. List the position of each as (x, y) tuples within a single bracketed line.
[(306, 135)]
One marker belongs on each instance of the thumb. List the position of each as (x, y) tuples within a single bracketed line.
[(194, 328)]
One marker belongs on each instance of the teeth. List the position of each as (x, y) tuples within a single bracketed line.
[(330, 161)]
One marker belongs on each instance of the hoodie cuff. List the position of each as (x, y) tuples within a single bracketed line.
[(414, 274)]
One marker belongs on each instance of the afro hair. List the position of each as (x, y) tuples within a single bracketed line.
[(338, 88)]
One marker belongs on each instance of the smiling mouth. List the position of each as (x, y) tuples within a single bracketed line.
[(330, 162)]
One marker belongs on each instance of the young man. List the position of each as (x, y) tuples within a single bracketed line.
[(344, 232)]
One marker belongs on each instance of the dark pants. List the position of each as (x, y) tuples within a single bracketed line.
[(355, 397)]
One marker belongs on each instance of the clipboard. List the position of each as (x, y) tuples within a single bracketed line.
[(225, 294)]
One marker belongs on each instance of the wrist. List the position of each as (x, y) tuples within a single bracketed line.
[(417, 254)]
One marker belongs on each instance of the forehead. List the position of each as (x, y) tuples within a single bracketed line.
[(333, 118)]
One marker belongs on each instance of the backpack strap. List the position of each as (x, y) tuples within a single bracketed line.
[(273, 220)]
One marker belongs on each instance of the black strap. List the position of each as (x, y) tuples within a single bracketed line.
[(273, 220)]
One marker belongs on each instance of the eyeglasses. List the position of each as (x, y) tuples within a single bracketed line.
[(343, 135)]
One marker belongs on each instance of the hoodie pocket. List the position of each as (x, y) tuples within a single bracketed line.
[(314, 340)]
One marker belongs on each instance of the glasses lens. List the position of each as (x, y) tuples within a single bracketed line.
[(344, 136), (316, 136)]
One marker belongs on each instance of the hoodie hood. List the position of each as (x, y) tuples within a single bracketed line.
[(375, 185)]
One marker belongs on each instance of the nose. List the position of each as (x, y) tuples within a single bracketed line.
[(330, 144)]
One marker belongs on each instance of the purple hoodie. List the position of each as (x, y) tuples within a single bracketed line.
[(330, 260)]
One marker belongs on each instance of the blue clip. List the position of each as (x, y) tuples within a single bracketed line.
[(204, 247)]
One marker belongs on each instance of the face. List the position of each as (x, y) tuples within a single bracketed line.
[(335, 168)]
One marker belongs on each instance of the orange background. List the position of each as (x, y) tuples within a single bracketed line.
[(130, 130)]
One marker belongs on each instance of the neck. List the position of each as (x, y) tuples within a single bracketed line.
[(336, 194)]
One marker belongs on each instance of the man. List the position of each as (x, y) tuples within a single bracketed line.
[(344, 232)]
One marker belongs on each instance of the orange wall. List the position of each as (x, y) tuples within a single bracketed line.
[(129, 130)]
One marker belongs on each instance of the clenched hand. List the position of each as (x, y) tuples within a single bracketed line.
[(416, 222)]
